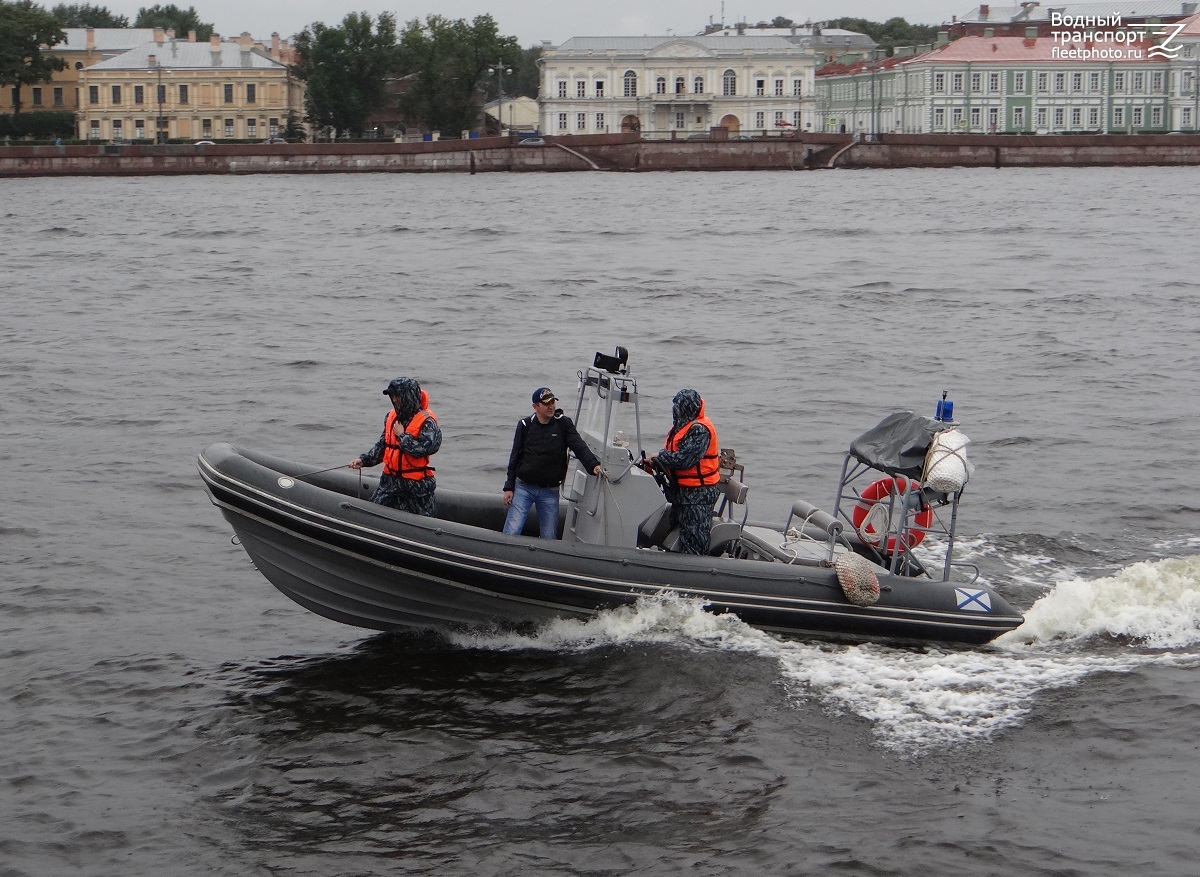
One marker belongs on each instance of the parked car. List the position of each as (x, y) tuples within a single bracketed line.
[(275, 140), (531, 141), (205, 143)]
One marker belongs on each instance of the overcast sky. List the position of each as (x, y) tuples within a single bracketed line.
[(533, 21)]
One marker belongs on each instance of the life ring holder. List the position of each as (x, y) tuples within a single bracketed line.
[(871, 507)]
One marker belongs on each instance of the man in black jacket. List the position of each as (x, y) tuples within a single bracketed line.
[(538, 464)]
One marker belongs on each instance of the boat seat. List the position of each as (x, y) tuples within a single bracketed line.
[(770, 544)]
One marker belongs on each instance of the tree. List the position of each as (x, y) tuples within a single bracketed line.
[(448, 62), (171, 17), (87, 15), (527, 78), (780, 21), (346, 69), (26, 32), (891, 33)]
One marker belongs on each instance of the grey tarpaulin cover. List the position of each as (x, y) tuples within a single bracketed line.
[(897, 444)]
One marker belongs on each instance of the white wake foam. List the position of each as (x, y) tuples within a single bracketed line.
[(923, 700), (1154, 603)]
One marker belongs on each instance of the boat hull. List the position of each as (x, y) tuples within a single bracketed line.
[(326, 546)]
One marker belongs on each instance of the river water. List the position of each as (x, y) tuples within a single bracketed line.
[(167, 712)]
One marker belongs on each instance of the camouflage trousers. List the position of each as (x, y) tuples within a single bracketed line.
[(407, 495), (691, 512)]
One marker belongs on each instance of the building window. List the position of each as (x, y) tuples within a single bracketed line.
[(1187, 82), (581, 121), (760, 87), (599, 88), (956, 118), (1119, 81), (1156, 82), (779, 118), (229, 93), (1041, 82), (660, 85), (778, 88), (36, 99), (580, 88), (1139, 82), (939, 83), (139, 129), (1060, 82), (993, 119), (599, 121), (229, 127), (1185, 118), (797, 87), (1156, 117), (1076, 82), (117, 130), (183, 94), (976, 82), (729, 83), (252, 127), (1041, 117), (58, 97), (939, 119), (1019, 83), (1076, 117), (993, 82), (1136, 121), (976, 117), (760, 120), (162, 95), (698, 85), (1118, 117), (956, 82), (93, 94), (562, 121), (562, 89), (1094, 81), (1093, 117), (679, 120), (1019, 118), (94, 131), (116, 94), (251, 93), (206, 128), (680, 86), (139, 94), (1060, 117), (630, 82), (796, 119), (272, 127)]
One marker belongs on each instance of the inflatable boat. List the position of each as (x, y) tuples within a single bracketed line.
[(878, 565)]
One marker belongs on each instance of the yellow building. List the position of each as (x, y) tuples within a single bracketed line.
[(167, 88), (83, 47)]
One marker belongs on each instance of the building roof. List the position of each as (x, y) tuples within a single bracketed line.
[(182, 54), (107, 39), (1008, 50), (806, 34), (649, 44), (1191, 27), (1034, 12)]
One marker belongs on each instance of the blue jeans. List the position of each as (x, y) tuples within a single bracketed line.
[(526, 496)]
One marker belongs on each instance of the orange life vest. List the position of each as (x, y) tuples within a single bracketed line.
[(708, 471), (395, 461)]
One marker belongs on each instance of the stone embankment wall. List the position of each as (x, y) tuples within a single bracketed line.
[(616, 152)]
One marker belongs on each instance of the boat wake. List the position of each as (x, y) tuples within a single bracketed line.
[(925, 699)]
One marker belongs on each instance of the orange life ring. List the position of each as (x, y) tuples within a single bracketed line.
[(880, 490)]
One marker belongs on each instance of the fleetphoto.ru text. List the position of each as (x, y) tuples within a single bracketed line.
[(1108, 38)]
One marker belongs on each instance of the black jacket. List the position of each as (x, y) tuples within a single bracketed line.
[(539, 451)]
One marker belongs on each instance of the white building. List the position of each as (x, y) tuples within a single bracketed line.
[(676, 86)]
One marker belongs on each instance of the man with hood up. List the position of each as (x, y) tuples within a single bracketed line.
[(692, 456), (411, 435)]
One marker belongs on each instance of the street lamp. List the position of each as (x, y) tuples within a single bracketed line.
[(498, 70), (160, 134)]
